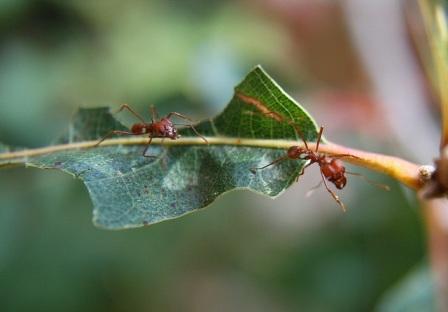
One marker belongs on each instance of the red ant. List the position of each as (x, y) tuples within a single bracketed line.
[(157, 128), (331, 167)]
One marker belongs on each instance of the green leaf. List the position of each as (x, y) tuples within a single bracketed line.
[(129, 190)]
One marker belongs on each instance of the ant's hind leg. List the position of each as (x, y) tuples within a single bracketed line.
[(336, 197), (114, 132)]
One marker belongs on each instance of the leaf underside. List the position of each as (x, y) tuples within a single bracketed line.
[(130, 190)]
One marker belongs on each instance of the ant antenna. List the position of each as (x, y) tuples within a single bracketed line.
[(276, 161), (154, 115), (299, 132), (319, 136), (378, 185)]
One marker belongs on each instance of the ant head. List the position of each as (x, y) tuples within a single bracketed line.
[(295, 151), (138, 128), (340, 182), (173, 133)]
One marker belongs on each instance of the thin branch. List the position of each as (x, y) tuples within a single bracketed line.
[(399, 169)]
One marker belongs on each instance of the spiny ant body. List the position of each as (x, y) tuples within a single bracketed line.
[(157, 128)]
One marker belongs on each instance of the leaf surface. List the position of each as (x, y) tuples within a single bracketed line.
[(130, 190)]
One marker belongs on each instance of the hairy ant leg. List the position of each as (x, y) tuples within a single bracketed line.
[(114, 132), (336, 197)]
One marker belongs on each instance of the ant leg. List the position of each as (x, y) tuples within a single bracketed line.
[(196, 131), (154, 115), (303, 170), (115, 132), (178, 115), (190, 126), (146, 149), (379, 185), (311, 190), (254, 170), (336, 197), (126, 106), (318, 138)]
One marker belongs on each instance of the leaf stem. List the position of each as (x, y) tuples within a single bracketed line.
[(399, 169)]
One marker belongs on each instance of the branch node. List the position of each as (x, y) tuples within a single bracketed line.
[(425, 173)]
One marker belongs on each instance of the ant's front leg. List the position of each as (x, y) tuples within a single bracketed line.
[(303, 171), (189, 126), (178, 115), (147, 147), (114, 132), (197, 133)]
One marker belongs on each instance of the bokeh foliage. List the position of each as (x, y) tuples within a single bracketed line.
[(242, 254)]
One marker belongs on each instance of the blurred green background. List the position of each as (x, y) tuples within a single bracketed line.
[(245, 252)]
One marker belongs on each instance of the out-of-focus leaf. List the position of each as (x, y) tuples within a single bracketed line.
[(414, 293), (129, 190), (434, 13)]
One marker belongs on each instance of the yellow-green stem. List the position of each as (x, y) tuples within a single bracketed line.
[(402, 170)]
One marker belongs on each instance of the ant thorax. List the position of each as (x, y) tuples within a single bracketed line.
[(164, 129)]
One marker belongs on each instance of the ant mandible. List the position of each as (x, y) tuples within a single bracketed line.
[(331, 167), (157, 128)]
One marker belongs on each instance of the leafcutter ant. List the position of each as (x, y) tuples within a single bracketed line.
[(331, 167), (157, 128)]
